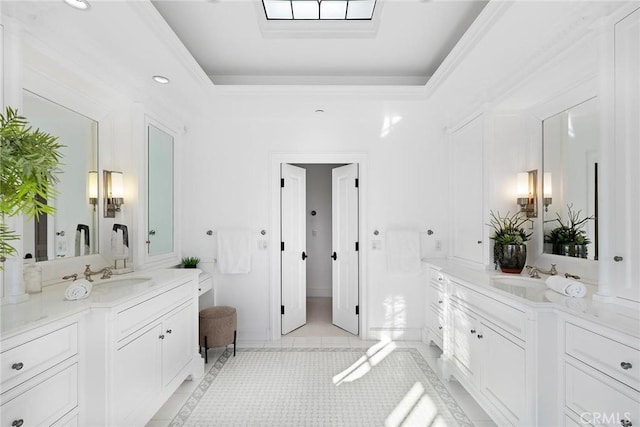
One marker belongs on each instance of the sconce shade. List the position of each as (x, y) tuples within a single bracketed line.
[(93, 187), (523, 185), (547, 185), (113, 192), (117, 185), (527, 183)]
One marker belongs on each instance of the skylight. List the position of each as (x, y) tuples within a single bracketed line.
[(319, 9)]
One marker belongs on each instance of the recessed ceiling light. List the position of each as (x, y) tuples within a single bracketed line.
[(161, 79), (319, 110), (78, 4)]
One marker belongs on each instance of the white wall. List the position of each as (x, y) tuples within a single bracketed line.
[(319, 230), (227, 178)]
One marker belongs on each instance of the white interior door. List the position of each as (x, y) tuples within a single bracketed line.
[(344, 229), (293, 247)]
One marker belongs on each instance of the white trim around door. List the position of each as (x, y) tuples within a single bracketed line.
[(275, 268)]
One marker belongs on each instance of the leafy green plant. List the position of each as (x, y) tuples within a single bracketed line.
[(572, 232), (507, 230), (191, 261), (29, 163)]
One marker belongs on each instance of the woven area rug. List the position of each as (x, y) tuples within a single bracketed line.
[(381, 386)]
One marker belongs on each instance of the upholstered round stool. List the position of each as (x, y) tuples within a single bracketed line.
[(217, 328)]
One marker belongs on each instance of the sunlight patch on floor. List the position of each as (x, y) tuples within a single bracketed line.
[(415, 409), (374, 355)]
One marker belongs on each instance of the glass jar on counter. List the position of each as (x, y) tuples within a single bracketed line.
[(32, 276)]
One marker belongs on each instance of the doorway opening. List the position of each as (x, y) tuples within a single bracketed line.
[(319, 249)]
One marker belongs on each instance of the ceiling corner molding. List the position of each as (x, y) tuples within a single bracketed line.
[(156, 23), (492, 12)]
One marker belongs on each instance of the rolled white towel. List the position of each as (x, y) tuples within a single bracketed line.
[(575, 304), (568, 287), (79, 289)]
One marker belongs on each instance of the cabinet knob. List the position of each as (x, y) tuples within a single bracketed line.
[(626, 423), (17, 423), (473, 331), (440, 301), (161, 336), (480, 336), (169, 331), (626, 365), (152, 232), (479, 242), (618, 258), (17, 366), (439, 327)]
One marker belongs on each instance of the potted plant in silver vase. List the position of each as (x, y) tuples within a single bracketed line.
[(509, 249), (570, 238)]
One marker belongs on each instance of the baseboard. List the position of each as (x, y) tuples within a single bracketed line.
[(400, 334)]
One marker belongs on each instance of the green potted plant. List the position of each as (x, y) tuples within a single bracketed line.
[(509, 249), (570, 238), (190, 262), (29, 162)]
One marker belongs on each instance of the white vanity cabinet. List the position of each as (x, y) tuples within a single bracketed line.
[(601, 381), (489, 353), (148, 346), (40, 376), (435, 316)]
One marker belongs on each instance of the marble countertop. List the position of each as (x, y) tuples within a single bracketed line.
[(50, 304), (617, 317)]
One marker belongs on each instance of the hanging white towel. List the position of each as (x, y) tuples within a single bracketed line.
[(403, 252), (234, 251), (568, 287), (117, 245)]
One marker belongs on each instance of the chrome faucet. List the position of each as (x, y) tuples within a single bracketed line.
[(106, 273), (573, 276), (73, 276), (533, 271)]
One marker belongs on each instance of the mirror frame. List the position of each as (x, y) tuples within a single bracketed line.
[(51, 219), (577, 94), (173, 256)]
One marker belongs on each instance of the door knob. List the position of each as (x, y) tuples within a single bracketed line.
[(334, 256), (304, 256)]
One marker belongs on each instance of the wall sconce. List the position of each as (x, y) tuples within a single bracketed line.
[(526, 195), (547, 190), (113, 193), (93, 189)]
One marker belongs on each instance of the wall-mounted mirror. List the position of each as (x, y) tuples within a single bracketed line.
[(159, 191), (570, 181), (73, 229)]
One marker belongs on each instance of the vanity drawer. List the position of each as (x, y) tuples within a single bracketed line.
[(436, 321), (437, 278), (44, 403), (599, 400), (604, 354), (508, 318), (133, 318), (36, 355), (436, 296)]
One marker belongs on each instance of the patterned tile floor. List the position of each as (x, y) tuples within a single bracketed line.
[(430, 353)]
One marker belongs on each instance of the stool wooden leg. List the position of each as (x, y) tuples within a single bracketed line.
[(206, 354), (235, 333)]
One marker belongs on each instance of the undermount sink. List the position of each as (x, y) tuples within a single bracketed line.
[(125, 281), (518, 281)]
